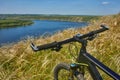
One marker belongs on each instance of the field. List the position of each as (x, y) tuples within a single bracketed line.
[(19, 62)]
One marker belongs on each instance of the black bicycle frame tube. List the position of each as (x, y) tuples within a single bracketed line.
[(94, 72), (104, 68)]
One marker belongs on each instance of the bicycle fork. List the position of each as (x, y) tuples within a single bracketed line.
[(76, 70)]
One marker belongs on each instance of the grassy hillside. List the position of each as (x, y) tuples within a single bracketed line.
[(19, 62)]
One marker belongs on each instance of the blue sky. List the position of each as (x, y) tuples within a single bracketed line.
[(64, 7)]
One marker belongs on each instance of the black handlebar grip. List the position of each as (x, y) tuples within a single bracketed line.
[(104, 26), (43, 47), (47, 46)]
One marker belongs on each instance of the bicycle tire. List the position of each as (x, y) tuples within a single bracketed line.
[(64, 66)]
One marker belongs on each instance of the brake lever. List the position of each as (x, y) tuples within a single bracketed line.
[(92, 37), (57, 48)]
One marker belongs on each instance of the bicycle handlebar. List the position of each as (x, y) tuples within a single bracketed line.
[(57, 45)]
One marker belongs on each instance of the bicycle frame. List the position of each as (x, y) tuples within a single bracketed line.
[(92, 62)]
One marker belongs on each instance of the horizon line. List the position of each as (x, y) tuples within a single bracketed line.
[(55, 14)]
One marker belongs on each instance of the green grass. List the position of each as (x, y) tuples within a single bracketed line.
[(8, 23), (19, 62)]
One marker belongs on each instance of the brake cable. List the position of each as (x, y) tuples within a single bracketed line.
[(70, 51), (92, 37)]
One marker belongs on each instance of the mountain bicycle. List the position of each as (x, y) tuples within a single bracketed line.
[(76, 71)]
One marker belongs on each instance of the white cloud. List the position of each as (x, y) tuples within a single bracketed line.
[(105, 3)]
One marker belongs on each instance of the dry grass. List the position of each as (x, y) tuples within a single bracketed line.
[(19, 62)]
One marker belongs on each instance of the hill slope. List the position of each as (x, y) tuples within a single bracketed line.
[(19, 62)]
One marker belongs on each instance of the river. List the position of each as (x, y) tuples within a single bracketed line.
[(10, 35)]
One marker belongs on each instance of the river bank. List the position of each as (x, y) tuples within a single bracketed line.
[(8, 23)]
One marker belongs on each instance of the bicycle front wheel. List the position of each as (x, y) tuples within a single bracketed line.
[(62, 72)]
